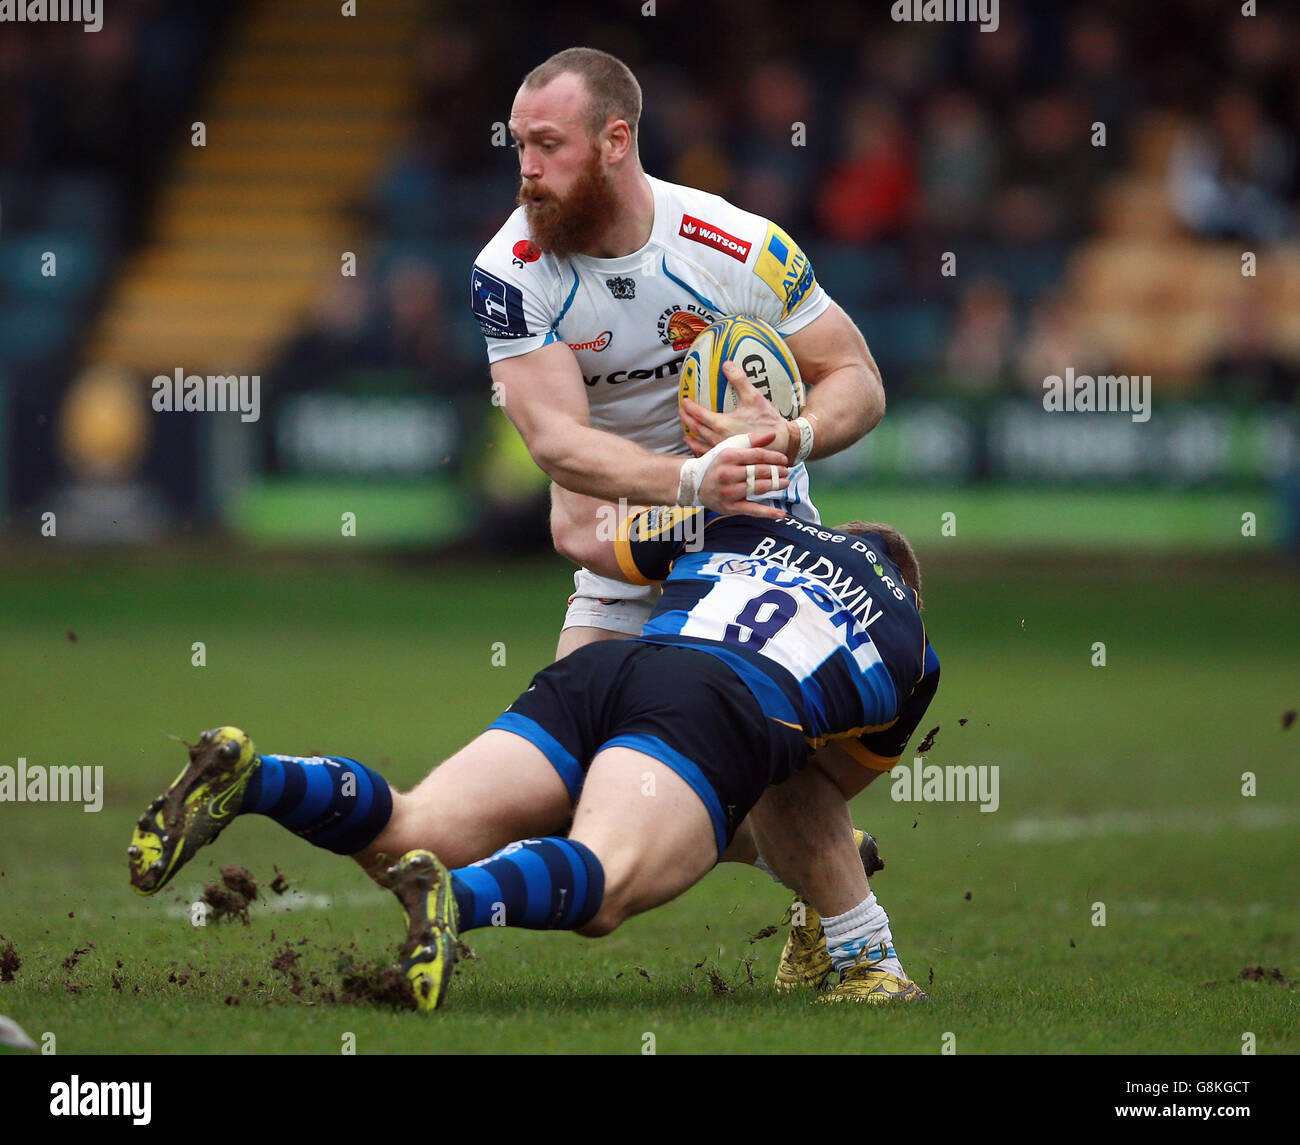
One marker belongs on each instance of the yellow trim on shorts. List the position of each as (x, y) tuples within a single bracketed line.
[(851, 734)]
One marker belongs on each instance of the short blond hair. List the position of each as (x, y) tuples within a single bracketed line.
[(612, 90)]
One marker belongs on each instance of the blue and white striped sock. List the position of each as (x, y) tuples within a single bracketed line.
[(864, 928), (329, 800), (540, 884)]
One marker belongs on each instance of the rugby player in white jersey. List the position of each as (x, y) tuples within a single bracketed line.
[(589, 296)]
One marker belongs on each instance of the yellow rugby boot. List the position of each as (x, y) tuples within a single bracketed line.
[(864, 981), (805, 961), (422, 885), (194, 810)]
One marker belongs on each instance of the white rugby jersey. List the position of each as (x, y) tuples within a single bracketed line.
[(630, 320)]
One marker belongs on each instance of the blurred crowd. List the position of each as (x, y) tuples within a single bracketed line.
[(106, 105), (878, 145), (881, 145), (88, 122)]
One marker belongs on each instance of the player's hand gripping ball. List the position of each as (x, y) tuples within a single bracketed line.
[(758, 350)]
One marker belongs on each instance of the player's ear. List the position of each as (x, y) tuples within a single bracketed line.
[(617, 139)]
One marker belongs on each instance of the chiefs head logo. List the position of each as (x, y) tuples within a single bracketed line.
[(679, 327)]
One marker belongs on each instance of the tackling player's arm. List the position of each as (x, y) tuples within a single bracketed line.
[(581, 528), (646, 543), (544, 396)]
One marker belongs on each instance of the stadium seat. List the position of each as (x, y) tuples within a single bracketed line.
[(454, 260), (289, 150)]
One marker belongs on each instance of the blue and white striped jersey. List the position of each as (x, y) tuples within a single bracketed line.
[(818, 623)]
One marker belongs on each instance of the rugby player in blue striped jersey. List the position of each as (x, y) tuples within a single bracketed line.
[(781, 657)]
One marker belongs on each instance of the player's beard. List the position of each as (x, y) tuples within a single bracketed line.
[(575, 223)]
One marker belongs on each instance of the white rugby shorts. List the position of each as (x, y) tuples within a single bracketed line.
[(615, 605)]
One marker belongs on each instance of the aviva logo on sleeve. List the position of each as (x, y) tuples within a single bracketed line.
[(785, 268)]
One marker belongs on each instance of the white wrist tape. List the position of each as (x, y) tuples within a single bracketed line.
[(805, 439), (694, 469)]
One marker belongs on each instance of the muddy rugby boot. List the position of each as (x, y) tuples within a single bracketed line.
[(422, 885), (867, 983), (194, 810), (804, 960)]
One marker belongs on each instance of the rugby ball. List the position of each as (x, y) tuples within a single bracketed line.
[(758, 350)]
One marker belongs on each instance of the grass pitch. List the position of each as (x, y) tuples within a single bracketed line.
[(1119, 785)]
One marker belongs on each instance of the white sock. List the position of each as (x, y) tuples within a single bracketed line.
[(864, 927)]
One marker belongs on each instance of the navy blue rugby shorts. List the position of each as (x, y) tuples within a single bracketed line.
[(681, 706)]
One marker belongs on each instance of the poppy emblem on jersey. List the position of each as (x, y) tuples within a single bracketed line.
[(597, 344), (680, 327), (526, 250), (622, 288), (697, 230)]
